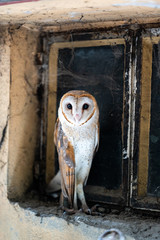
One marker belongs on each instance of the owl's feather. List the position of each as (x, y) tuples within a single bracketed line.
[(66, 163), (97, 137), (55, 184)]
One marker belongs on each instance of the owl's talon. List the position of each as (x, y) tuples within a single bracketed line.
[(93, 211), (90, 211), (95, 207), (87, 210), (69, 211)]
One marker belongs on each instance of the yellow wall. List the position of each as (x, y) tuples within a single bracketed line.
[(24, 107), (19, 122)]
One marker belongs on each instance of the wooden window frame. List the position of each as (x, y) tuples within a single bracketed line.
[(51, 112), (140, 199)]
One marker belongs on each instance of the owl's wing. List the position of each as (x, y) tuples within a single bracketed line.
[(66, 163)]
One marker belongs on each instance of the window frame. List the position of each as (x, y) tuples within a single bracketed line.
[(139, 197), (134, 77), (52, 47)]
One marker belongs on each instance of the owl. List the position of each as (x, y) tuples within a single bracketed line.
[(76, 137)]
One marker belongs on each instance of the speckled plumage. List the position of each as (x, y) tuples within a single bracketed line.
[(76, 137)]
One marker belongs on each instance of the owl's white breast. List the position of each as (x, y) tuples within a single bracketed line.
[(84, 150), (83, 138)]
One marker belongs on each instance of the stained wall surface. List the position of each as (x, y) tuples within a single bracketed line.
[(19, 107), (24, 108)]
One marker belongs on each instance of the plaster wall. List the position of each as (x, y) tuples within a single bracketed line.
[(24, 108), (4, 108), (19, 107)]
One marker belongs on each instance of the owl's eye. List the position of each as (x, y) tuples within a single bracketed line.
[(85, 106), (69, 106)]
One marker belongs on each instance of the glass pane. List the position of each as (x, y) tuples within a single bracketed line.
[(154, 149)]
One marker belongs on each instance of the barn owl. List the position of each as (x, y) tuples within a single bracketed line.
[(76, 137)]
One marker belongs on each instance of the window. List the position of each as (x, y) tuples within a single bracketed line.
[(97, 66), (146, 182), (122, 71)]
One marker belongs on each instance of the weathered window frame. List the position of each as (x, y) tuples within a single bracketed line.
[(139, 196), (52, 49)]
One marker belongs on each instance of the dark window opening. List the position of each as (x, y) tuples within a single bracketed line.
[(101, 68), (154, 150)]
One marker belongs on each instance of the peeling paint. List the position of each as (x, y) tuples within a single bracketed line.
[(125, 154)]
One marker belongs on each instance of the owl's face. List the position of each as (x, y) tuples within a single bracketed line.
[(78, 107)]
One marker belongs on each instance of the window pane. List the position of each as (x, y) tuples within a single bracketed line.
[(154, 149)]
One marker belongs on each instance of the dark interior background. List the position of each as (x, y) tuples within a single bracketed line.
[(154, 148), (100, 71)]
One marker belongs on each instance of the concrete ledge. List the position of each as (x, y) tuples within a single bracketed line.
[(48, 12), (42, 220)]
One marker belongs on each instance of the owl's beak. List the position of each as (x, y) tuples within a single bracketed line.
[(77, 117)]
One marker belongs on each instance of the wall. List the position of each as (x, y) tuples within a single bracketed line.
[(24, 108), (4, 108), (19, 127)]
